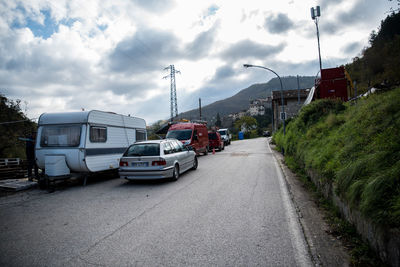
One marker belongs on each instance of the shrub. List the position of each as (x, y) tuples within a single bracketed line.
[(354, 147)]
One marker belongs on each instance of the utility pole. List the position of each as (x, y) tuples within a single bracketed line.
[(315, 14), (283, 114), (298, 90), (173, 99), (200, 107)]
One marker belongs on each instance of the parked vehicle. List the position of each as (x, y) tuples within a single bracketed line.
[(266, 134), (189, 133), (215, 141), (226, 136), (157, 159), (79, 143)]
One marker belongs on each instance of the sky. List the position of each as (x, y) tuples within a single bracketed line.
[(111, 55)]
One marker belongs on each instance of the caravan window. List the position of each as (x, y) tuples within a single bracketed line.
[(98, 134), (140, 135), (60, 136)]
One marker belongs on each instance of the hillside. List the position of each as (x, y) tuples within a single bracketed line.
[(240, 101), (378, 64)]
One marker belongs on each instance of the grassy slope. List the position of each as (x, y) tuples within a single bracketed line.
[(356, 147)]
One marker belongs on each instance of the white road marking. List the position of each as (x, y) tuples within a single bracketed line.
[(297, 236)]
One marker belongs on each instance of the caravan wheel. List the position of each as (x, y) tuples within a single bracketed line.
[(42, 182)]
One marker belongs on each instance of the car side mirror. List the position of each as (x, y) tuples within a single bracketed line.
[(166, 152), (189, 148)]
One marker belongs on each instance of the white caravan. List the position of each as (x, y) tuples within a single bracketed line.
[(84, 142)]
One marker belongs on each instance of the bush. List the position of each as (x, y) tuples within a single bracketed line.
[(354, 147)]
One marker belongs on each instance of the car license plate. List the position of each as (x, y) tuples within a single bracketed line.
[(140, 164)]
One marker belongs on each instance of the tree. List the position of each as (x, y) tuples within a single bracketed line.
[(152, 129), (398, 4), (378, 63), (246, 124), (13, 124), (218, 122)]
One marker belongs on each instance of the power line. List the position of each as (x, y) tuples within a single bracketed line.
[(11, 122)]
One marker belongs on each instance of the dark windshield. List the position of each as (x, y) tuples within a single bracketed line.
[(180, 134), (143, 150), (212, 136), (222, 132)]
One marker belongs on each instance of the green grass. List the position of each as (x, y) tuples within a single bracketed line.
[(354, 146)]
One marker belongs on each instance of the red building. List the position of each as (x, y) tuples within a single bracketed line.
[(332, 84)]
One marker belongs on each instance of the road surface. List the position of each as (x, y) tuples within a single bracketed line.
[(234, 210)]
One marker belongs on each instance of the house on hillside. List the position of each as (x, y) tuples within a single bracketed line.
[(293, 101), (238, 115), (258, 106)]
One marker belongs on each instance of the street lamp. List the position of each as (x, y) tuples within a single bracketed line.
[(315, 13), (282, 100)]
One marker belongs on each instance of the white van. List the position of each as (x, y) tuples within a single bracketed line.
[(84, 142), (226, 136)]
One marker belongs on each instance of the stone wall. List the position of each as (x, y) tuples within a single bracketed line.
[(385, 241)]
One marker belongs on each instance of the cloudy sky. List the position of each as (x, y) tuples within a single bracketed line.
[(65, 55)]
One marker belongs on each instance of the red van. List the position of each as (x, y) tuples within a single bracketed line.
[(193, 134), (215, 141)]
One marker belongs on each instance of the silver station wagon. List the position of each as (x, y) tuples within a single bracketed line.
[(157, 159)]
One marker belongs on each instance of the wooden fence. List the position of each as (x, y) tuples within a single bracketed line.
[(13, 168)]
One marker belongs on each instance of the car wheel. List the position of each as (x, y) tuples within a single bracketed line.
[(195, 163), (175, 174)]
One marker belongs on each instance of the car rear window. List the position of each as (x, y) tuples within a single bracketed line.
[(143, 150), (212, 136)]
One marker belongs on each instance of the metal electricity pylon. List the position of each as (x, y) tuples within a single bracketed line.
[(174, 101)]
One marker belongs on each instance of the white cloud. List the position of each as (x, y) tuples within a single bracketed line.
[(110, 55)]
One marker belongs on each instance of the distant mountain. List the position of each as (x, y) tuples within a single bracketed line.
[(240, 101)]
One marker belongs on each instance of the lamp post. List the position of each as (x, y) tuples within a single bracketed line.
[(315, 13), (282, 100)]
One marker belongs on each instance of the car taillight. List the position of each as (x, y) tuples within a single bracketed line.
[(159, 162), (123, 164)]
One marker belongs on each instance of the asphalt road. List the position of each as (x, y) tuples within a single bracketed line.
[(234, 210)]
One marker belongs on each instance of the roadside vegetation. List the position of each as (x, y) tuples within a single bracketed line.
[(360, 253), (356, 147)]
